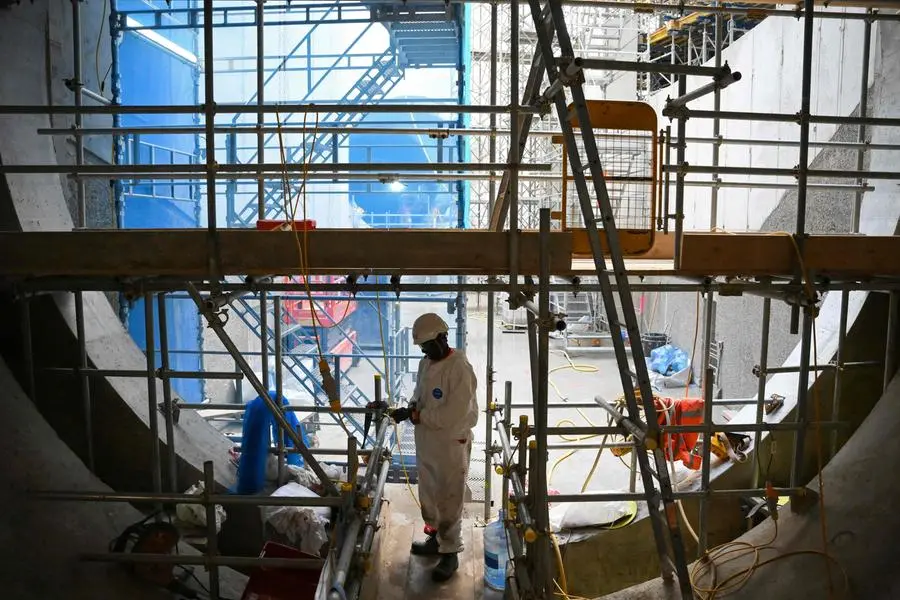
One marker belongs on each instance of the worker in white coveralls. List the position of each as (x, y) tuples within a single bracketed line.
[(444, 409)]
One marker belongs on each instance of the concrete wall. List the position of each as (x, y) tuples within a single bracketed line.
[(37, 202), (770, 61), (738, 320)]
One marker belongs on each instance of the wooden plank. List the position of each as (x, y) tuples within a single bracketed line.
[(183, 252), (753, 254)]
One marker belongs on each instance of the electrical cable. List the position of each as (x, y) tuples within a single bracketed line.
[(710, 559), (290, 209), (390, 398), (101, 82)]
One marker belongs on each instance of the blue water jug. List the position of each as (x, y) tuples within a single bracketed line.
[(496, 554)]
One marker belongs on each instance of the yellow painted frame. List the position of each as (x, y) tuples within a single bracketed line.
[(622, 115)]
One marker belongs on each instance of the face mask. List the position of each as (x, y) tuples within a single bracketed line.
[(434, 350)]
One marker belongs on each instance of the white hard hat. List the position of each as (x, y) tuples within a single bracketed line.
[(428, 327)]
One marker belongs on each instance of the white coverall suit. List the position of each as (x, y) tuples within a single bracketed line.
[(445, 397)]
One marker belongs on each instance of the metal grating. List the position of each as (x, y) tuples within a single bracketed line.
[(627, 159), (476, 481)]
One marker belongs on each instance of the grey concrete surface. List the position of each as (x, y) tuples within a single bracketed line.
[(36, 202), (40, 541)]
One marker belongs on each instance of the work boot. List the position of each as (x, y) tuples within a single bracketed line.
[(427, 548), (445, 568)]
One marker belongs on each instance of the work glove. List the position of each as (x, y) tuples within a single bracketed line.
[(401, 414)]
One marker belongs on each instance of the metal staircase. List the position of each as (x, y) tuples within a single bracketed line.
[(373, 86), (564, 74), (308, 378)]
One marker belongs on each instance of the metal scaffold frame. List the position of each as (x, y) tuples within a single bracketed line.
[(507, 114)]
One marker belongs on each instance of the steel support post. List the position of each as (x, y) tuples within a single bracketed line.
[(544, 576), (489, 403), (863, 112), (209, 111), (84, 380), (505, 424), (260, 103), (217, 326), (838, 372), (515, 157), (348, 549), (492, 119), (168, 404), (667, 181), (152, 409), (800, 237), (212, 533), (717, 124), (705, 466), (276, 307), (77, 86), (761, 390), (679, 177), (116, 88), (264, 338)]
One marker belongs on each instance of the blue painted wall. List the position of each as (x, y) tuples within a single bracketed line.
[(151, 74)]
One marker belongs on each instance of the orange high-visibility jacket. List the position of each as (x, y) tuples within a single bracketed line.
[(683, 411)]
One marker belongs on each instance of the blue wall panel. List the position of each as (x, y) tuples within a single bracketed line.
[(150, 74)]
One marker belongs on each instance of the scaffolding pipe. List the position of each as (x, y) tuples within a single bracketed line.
[(371, 526), (279, 390), (84, 380), (77, 86), (161, 373), (646, 67), (489, 399), (152, 409), (212, 534), (643, 7), (512, 474), (776, 172), (722, 428), (348, 549), (209, 110), (707, 448), (861, 132), (728, 115), (679, 177), (266, 108), (718, 84), (264, 339), (260, 103), (273, 169), (717, 124), (505, 423), (431, 132), (839, 370), (246, 562), (168, 404), (217, 326), (514, 155)]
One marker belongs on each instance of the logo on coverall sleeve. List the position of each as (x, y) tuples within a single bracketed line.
[(437, 393)]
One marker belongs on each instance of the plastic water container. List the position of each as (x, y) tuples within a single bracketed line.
[(496, 555)]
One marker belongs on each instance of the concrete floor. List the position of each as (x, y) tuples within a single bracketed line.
[(511, 363)]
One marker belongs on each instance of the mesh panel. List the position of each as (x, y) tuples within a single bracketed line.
[(476, 472), (627, 159)]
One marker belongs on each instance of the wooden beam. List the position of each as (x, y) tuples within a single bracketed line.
[(753, 254), (183, 252)]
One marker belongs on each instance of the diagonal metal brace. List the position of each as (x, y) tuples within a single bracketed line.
[(226, 340)]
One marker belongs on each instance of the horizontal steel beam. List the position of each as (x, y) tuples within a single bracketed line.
[(136, 171), (644, 67), (267, 108)]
